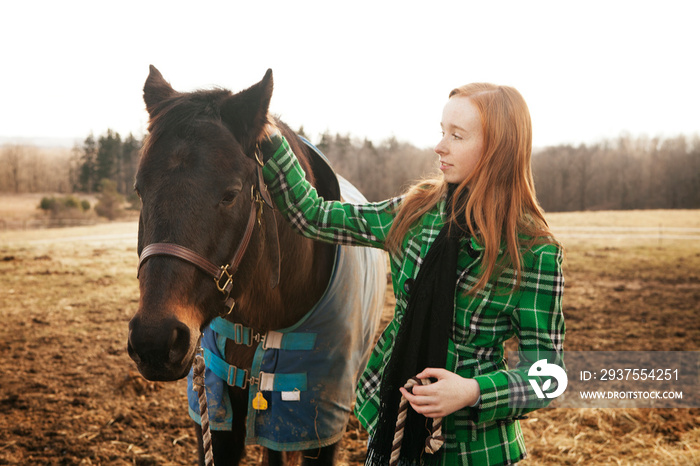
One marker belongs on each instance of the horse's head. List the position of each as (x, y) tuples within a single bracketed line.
[(195, 179)]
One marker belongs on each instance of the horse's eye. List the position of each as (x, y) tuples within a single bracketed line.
[(230, 197)]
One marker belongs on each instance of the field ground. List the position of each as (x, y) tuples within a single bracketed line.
[(70, 395)]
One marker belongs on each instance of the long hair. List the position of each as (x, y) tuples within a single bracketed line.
[(501, 202)]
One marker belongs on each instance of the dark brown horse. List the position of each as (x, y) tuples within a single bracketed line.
[(197, 180)]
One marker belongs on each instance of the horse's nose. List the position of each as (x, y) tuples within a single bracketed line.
[(160, 350)]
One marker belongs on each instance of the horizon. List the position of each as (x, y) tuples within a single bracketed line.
[(42, 142)]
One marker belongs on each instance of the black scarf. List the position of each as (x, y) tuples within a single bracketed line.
[(421, 342)]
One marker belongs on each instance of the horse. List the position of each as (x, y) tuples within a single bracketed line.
[(204, 203)]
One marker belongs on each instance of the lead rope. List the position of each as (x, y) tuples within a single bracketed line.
[(432, 443), (198, 386)]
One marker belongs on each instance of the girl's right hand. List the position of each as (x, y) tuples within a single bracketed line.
[(269, 130)]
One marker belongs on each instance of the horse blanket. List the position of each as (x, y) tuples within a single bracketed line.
[(317, 364)]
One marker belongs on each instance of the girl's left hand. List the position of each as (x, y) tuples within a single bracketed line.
[(450, 393)]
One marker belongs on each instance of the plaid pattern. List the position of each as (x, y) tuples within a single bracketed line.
[(488, 434)]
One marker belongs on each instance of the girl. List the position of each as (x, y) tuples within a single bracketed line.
[(473, 264)]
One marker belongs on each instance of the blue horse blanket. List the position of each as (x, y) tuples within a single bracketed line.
[(312, 408)]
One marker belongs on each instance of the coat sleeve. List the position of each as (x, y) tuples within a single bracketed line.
[(539, 325), (329, 221)]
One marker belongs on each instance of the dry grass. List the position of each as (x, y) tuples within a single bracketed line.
[(613, 436), (69, 393), (627, 218), (25, 206)]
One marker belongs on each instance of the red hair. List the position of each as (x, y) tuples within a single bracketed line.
[(501, 204)]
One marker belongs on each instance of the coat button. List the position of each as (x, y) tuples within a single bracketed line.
[(407, 285)]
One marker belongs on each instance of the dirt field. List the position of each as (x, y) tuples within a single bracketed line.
[(69, 394)]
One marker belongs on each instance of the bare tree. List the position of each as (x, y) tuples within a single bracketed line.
[(12, 158)]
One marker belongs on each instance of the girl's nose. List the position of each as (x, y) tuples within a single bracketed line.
[(440, 148)]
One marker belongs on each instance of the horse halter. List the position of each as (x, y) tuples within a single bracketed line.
[(223, 275)]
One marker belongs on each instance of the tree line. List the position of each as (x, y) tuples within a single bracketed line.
[(378, 171), (82, 169), (107, 158), (615, 174), (620, 174), (623, 173)]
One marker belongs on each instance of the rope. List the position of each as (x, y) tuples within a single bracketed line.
[(198, 386), (432, 443)]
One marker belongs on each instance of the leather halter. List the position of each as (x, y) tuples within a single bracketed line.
[(224, 273)]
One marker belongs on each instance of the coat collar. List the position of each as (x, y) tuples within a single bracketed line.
[(432, 223)]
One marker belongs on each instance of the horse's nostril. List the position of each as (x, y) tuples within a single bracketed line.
[(161, 348), (173, 337), (132, 352), (179, 343)]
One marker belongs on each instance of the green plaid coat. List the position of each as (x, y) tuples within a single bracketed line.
[(488, 434)]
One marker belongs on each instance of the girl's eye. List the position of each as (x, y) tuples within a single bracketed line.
[(456, 136)]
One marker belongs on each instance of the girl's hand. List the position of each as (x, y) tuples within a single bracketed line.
[(270, 140), (450, 393), (270, 129)]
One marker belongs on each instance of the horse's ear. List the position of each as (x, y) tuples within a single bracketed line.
[(156, 90), (245, 113)]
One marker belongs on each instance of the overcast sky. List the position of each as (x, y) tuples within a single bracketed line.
[(375, 69)]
